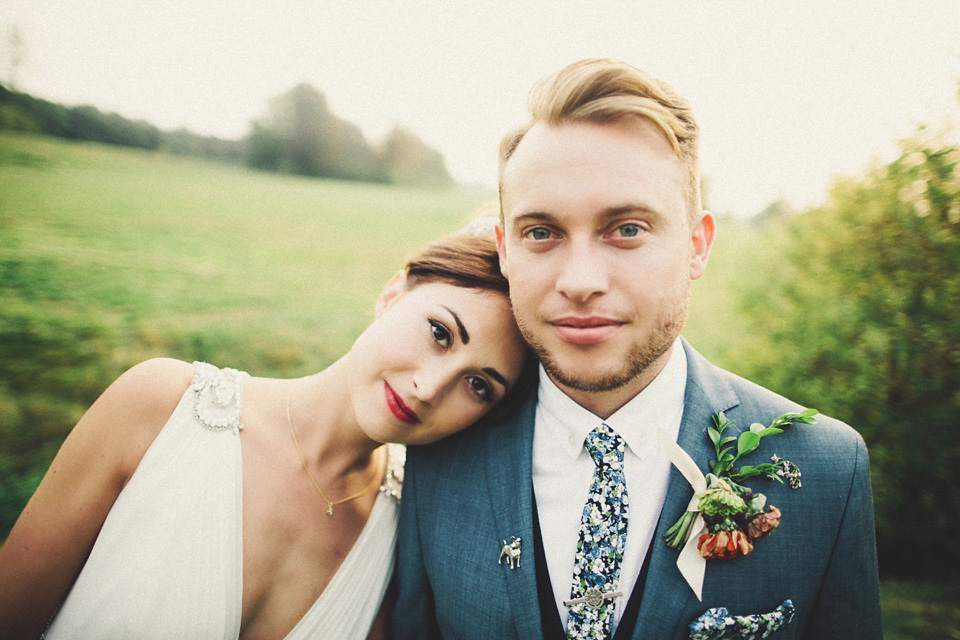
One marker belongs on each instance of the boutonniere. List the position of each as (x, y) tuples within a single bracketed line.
[(725, 517), (735, 516)]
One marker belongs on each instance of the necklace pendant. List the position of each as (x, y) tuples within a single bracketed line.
[(329, 509)]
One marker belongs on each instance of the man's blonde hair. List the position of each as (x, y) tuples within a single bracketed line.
[(603, 91)]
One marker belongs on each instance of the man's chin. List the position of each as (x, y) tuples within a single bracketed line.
[(598, 372), (587, 377)]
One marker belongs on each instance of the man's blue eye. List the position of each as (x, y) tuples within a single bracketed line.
[(629, 230), (540, 233)]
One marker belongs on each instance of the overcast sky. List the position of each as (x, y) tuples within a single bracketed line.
[(788, 93)]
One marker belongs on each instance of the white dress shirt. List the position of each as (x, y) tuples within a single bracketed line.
[(563, 472)]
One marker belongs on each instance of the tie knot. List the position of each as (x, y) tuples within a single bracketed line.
[(605, 446)]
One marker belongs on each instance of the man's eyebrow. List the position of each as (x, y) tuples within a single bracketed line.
[(531, 216), (462, 329), (630, 208)]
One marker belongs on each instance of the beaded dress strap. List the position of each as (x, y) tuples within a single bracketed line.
[(219, 400), (392, 484)]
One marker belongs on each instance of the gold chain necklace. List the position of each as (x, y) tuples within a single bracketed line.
[(330, 504)]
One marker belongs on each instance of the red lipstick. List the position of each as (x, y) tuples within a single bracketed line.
[(398, 407)]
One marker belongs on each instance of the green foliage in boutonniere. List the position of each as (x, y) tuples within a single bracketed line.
[(735, 516)]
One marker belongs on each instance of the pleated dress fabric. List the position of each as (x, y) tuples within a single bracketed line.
[(168, 562)]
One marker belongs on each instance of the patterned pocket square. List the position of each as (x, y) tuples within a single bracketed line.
[(718, 624)]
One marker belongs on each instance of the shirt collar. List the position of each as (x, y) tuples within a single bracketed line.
[(658, 406)]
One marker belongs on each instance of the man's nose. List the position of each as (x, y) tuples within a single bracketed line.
[(583, 273)]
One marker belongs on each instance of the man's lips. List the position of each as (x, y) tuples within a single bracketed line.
[(398, 407), (585, 330)]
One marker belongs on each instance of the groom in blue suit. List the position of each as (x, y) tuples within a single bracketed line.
[(550, 523)]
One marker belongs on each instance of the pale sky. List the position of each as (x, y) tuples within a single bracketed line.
[(788, 93)]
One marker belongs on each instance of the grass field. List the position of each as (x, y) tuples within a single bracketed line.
[(109, 256), (283, 266)]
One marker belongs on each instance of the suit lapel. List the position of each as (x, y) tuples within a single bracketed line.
[(666, 593), (509, 473)]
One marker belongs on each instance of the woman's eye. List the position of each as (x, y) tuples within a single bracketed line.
[(539, 233), (629, 230), (480, 387), (440, 334)]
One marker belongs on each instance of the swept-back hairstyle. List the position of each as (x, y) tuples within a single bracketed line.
[(603, 91)]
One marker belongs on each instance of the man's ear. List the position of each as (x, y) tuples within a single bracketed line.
[(700, 243), (395, 288), (501, 250)]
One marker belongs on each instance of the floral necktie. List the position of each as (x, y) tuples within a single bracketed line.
[(603, 533)]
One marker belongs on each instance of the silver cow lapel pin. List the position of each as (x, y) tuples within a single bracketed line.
[(511, 552)]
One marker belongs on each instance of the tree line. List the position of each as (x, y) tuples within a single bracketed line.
[(297, 134)]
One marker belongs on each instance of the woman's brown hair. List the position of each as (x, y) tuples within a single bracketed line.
[(461, 259)]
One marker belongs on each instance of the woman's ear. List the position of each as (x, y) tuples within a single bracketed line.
[(394, 289)]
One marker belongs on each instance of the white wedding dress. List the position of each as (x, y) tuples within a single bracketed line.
[(168, 563)]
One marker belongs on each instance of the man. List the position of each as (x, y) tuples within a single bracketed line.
[(551, 523)]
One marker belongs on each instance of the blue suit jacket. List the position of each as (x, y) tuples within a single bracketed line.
[(464, 496)]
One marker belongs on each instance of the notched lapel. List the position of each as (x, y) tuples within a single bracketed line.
[(666, 594), (509, 476)]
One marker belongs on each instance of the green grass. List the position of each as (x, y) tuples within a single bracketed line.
[(920, 610), (177, 246)]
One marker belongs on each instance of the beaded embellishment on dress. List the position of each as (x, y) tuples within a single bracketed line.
[(219, 400), (393, 478)]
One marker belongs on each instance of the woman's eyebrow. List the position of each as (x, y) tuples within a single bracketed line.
[(462, 329), (496, 375)]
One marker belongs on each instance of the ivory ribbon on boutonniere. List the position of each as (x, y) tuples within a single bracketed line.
[(691, 564)]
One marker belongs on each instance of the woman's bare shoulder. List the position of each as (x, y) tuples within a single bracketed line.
[(133, 410), (152, 385)]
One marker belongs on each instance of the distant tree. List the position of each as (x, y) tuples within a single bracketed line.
[(408, 160), (16, 54), (773, 211), (299, 134), (859, 316), (186, 143)]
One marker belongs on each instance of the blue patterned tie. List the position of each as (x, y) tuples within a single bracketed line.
[(603, 533)]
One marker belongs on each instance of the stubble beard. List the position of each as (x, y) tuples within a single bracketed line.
[(638, 359)]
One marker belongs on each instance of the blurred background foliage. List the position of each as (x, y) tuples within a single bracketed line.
[(854, 310), (109, 255)]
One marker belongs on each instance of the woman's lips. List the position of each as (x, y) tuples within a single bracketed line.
[(585, 330), (398, 408)]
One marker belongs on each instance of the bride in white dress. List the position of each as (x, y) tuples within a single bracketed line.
[(195, 502)]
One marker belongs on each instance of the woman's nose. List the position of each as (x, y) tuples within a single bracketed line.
[(431, 382)]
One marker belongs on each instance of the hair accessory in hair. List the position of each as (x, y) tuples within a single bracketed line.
[(481, 226)]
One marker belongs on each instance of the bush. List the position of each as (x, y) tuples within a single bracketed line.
[(857, 317)]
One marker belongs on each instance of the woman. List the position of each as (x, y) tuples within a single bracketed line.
[(195, 502)]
